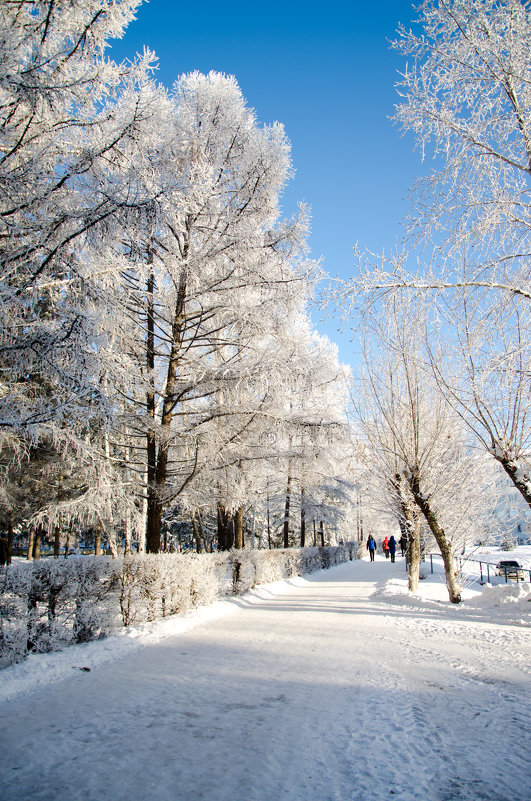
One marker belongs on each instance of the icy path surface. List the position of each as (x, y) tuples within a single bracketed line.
[(319, 694)]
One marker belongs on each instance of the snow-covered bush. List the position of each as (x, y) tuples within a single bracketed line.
[(251, 568), (508, 543), (53, 603), (158, 585)]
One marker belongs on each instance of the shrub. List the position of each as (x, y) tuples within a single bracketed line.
[(53, 603)]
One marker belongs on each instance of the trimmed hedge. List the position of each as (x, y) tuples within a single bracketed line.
[(47, 605)]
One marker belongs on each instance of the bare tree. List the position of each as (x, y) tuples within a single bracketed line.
[(415, 442), (466, 96)]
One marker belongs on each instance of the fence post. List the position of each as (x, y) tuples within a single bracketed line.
[(431, 562)]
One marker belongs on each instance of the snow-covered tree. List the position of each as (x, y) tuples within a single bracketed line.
[(275, 442), (414, 442), (466, 97), (213, 270), (314, 433), (147, 285), (67, 113), (466, 94), (62, 124), (482, 363)]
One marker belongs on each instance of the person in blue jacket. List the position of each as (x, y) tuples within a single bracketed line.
[(392, 547), (371, 546)]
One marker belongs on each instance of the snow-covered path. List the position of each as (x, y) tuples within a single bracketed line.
[(321, 693)]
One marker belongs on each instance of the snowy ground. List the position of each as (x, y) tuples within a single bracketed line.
[(339, 687), (486, 553)]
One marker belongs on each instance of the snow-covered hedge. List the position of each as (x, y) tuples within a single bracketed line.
[(47, 605)]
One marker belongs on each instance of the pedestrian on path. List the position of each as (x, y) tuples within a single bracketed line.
[(385, 546), (403, 544), (392, 547), (371, 546)]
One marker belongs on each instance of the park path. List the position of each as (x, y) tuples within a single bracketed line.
[(325, 692)]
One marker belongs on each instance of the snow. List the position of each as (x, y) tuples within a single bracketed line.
[(342, 686)]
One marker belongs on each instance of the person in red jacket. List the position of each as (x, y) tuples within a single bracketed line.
[(385, 546)]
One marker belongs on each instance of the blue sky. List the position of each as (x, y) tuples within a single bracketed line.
[(326, 72)]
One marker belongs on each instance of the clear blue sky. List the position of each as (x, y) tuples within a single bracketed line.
[(324, 70)]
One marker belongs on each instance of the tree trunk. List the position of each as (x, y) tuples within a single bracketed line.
[(253, 530), (410, 528), (31, 540), (238, 528), (111, 542), (37, 544), (153, 513), (143, 525), (157, 481), (359, 520), (413, 556), (97, 540), (198, 545), (412, 531), (202, 534), (67, 540), (303, 520), (321, 532), (286, 514), (57, 530), (127, 533), (10, 537), (154, 522), (518, 475), (269, 545), (225, 529), (440, 537), (57, 542)]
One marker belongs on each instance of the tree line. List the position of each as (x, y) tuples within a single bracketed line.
[(156, 347)]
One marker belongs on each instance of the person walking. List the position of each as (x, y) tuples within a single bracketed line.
[(371, 546), (385, 546), (392, 547), (403, 544)]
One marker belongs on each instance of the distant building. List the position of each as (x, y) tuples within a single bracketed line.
[(512, 515)]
